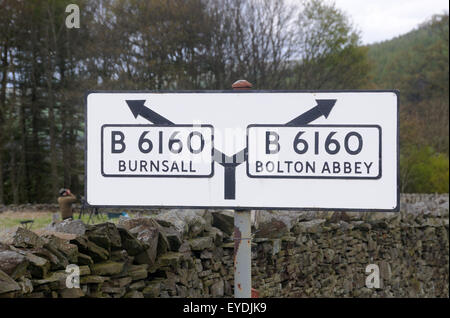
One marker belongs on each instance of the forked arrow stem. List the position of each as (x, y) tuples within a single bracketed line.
[(323, 108)]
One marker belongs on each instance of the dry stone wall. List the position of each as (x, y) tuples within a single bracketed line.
[(189, 253)]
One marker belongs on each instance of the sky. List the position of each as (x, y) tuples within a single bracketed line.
[(380, 20)]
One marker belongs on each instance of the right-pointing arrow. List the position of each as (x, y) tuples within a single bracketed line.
[(323, 108)]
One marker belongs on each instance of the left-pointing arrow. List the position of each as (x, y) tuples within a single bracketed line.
[(138, 109)]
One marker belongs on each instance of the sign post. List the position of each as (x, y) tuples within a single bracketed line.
[(242, 238), (243, 150)]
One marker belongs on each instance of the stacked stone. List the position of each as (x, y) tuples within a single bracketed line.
[(29, 207), (189, 253), (175, 254)]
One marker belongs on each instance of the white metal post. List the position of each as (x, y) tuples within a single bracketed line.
[(242, 254), (242, 238)]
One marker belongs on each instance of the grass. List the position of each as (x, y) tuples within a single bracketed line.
[(11, 219)]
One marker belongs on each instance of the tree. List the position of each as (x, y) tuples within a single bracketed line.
[(329, 51), (46, 68)]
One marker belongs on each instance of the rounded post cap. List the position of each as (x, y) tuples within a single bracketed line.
[(241, 84)]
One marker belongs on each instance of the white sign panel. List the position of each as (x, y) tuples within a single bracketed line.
[(152, 151), (333, 151), (327, 150)]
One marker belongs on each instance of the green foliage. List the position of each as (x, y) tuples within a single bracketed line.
[(417, 64), (330, 55), (45, 68), (423, 170)]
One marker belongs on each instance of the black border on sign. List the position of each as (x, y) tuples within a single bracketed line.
[(318, 177), (158, 175), (396, 92)]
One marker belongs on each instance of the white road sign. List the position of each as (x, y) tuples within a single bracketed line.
[(331, 150)]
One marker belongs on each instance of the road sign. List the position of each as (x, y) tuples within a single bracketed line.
[(331, 150)]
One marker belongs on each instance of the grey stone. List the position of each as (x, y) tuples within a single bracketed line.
[(55, 262), (163, 243), (7, 284), (21, 237), (13, 263), (224, 221), (146, 231), (201, 243), (97, 253), (93, 279), (71, 293), (152, 290), (129, 242), (273, 228), (84, 259), (137, 285), (216, 234), (217, 289), (172, 259), (186, 222), (68, 226), (174, 237), (119, 282), (105, 235), (134, 294), (149, 238), (57, 279), (26, 285), (146, 222), (37, 266), (312, 226), (137, 273), (56, 244), (107, 268)]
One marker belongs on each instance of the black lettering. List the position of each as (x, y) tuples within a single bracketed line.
[(122, 166), (336, 167), (130, 165), (154, 166), (347, 167), (117, 141), (326, 168), (310, 167), (160, 142), (288, 166), (279, 167), (143, 166), (301, 166), (258, 166), (202, 142), (272, 142), (358, 167), (272, 166), (316, 143), (360, 143), (174, 167), (165, 164), (368, 167)]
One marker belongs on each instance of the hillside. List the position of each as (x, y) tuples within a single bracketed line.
[(417, 64), (409, 52)]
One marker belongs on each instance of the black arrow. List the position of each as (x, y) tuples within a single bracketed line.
[(323, 108), (137, 108)]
